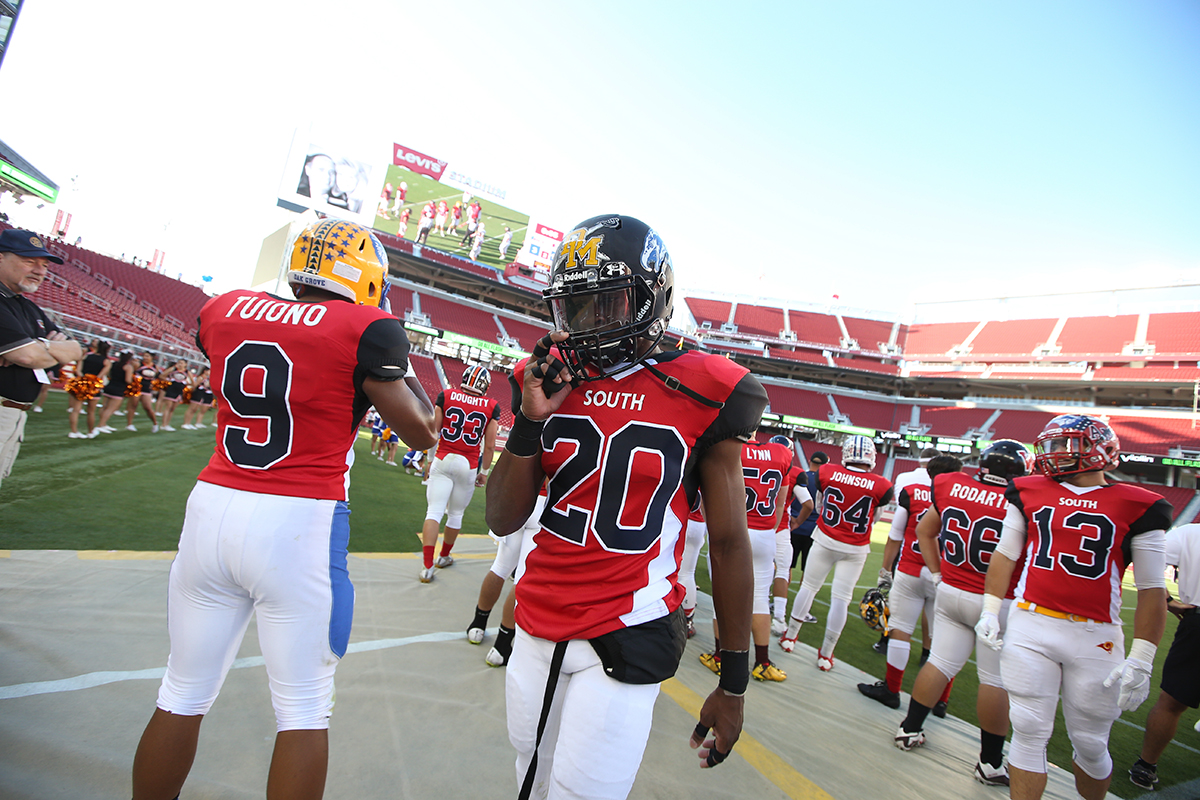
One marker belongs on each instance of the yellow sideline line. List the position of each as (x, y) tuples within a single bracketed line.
[(5, 553), (757, 755), (125, 555)]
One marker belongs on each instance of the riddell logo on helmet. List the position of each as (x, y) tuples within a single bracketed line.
[(418, 162)]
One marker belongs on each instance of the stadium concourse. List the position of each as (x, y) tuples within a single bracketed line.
[(418, 712)]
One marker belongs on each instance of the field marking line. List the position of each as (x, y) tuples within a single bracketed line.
[(5, 553), (93, 679), (793, 783)]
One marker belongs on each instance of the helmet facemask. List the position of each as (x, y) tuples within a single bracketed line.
[(1075, 445)]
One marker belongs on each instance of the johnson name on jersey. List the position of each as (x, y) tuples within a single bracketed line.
[(765, 468), (1078, 544), (286, 420), (849, 500), (465, 419), (972, 515), (621, 457)]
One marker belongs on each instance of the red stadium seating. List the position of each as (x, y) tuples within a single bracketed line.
[(870, 334), (1177, 334), (807, 356), (873, 413), (816, 328), (1148, 373), (1017, 337), (524, 332), (1024, 426), (1092, 337), (715, 312), (798, 402), (833, 451), (1155, 435), (448, 315), (1177, 496), (758, 320), (934, 340), (953, 422), (427, 375), (867, 365)]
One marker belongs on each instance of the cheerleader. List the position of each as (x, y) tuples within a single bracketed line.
[(177, 377), (85, 387), (199, 397), (120, 381), (146, 374)]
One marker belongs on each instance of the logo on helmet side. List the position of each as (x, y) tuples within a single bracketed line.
[(580, 250), (654, 253)]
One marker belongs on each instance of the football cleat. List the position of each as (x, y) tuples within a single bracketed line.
[(343, 258), (778, 627), (427, 575), (881, 646), (907, 741), (788, 645), (992, 776), (879, 692), (495, 658), (939, 709), (712, 661), (443, 562), (690, 621), (809, 619), (824, 662), (768, 672), (475, 635), (1142, 776)]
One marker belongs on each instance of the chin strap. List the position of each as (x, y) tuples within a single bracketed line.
[(673, 383)]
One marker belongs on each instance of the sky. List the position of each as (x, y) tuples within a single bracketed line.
[(891, 155)]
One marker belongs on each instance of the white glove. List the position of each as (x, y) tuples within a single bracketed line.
[(885, 578), (930, 575), (988, 627), (1134, 675)]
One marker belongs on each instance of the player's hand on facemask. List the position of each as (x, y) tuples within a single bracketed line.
[(548, 381)]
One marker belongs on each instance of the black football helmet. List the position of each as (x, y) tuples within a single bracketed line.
[(612, 289), (873, 608), (1002, 461), (779, 438)]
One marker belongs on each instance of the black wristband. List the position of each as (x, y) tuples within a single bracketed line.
[(735, 671), (525, 438)]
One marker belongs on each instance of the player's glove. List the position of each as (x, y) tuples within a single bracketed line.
[(988, 627), (1134, 675), (885, 579)]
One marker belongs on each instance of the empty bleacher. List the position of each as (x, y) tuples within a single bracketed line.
[(1155, 435), (953, 422), (833, 451), (798, 402), (524, 332), (869, 333), (1095, 337), (448, 315), (1175, 334), (872, 413), (427, 375), (934, 340), (806, 356), (714, 312), (1024, 426), (758, 320), (1150, 372), (1011, 338), (816, 328), (867, 365)]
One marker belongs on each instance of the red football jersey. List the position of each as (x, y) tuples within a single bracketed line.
[(288, 376), (765, 467), (1078, 545), (849, 500), (972, 515), (794, 477), (914, 498), (621, 458), (465, 418)]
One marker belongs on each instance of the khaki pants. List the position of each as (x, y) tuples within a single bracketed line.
[(12, 432)]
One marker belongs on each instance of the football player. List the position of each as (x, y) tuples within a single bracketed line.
[(1077, 533), (267, 525), (852, 497), (912, 586), (965, 515), (466, 419), (694, 537), (785, 556), (625, 432), (803, 526)]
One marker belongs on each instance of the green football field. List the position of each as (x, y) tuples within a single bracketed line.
[(494, 216), (126, 491)]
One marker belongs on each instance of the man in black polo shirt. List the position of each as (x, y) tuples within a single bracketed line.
[(29, 342)]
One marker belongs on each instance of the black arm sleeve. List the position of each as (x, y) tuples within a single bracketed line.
[(740, 416), (1013, 495), (1156, 518), (887, 496), (904, 501), (383, 350)]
